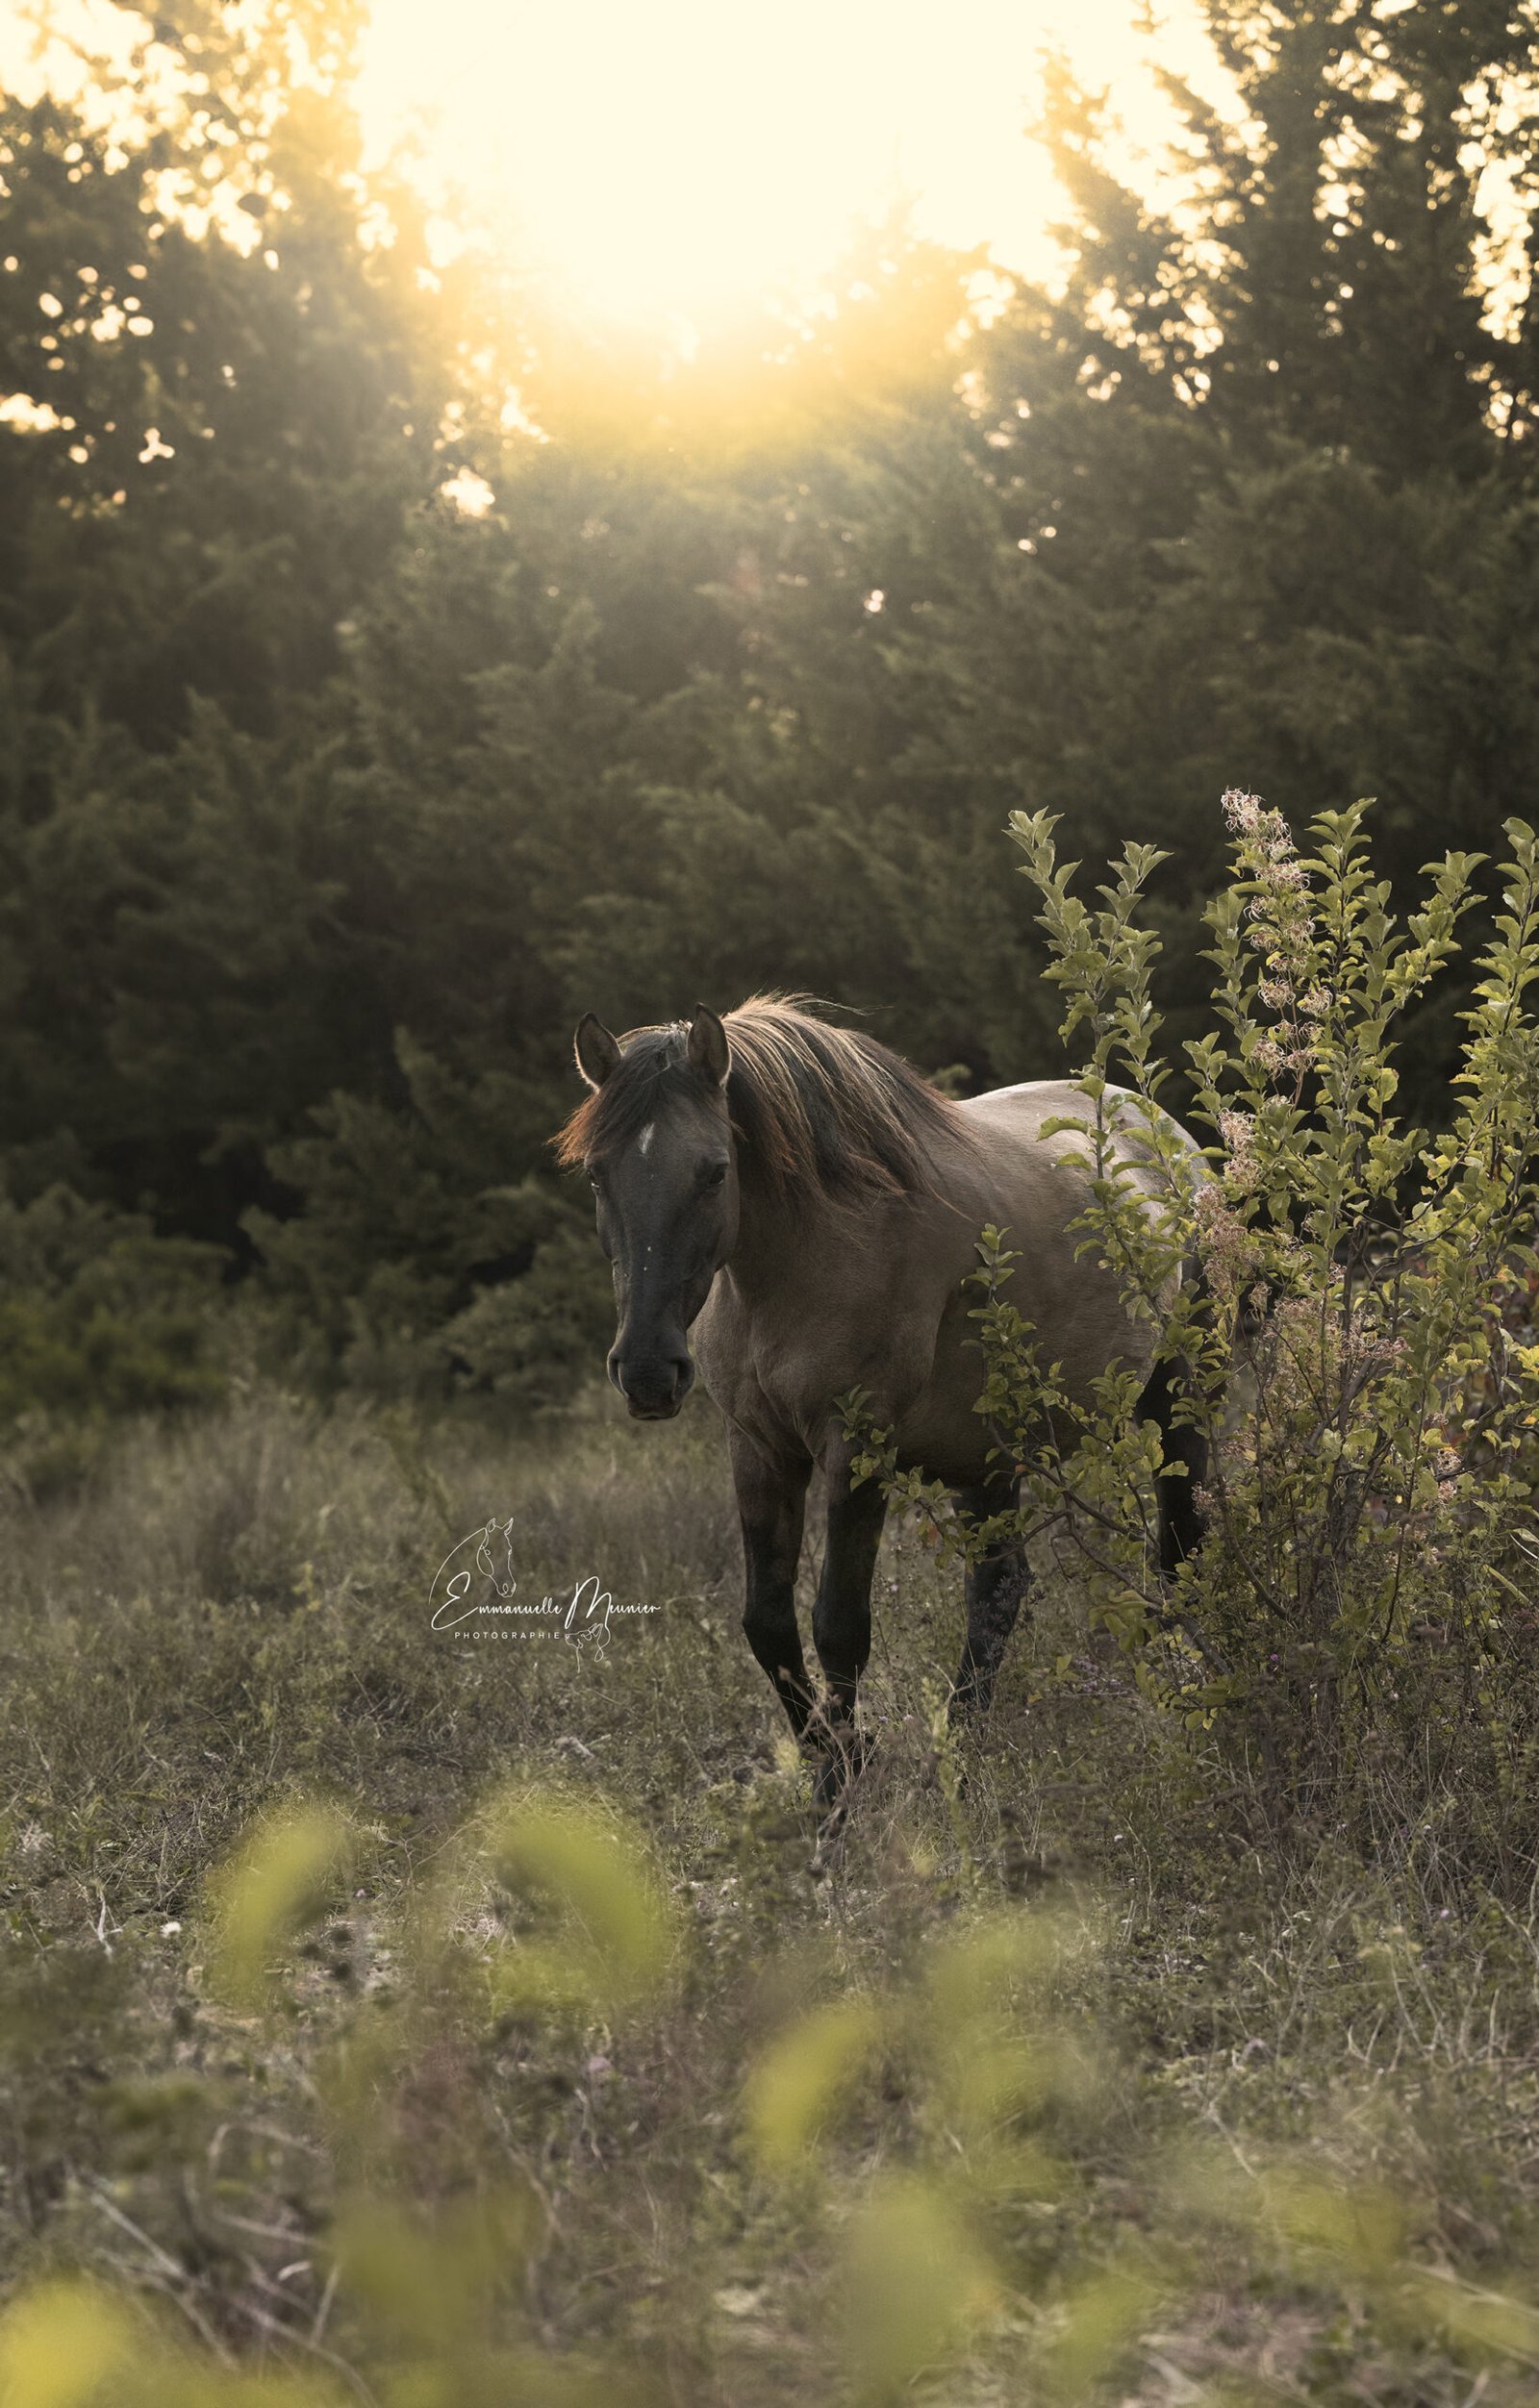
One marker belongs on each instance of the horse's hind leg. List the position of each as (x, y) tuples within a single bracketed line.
[(1186, 1451), (996, 1585)]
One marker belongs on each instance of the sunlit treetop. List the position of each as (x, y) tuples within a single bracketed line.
[(695, 194)]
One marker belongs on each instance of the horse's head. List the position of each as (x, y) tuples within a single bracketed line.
[(664, 1173), (495, 1556)]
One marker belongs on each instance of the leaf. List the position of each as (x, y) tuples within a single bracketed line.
[(800, 2079), (277, 1882), (917, 2287)]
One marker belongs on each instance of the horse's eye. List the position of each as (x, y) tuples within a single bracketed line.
[(715, 1176)]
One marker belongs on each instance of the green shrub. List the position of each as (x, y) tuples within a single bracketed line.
[(99, 1319), (1356, 1624)]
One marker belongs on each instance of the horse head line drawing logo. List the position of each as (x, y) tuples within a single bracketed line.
[(494, 1556)]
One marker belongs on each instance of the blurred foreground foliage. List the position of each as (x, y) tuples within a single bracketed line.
[(930, 2145), (339, 2060)]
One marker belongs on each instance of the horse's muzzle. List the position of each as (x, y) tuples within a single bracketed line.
[(654, 1387)]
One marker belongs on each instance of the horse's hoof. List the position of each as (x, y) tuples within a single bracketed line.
[(838, 1765), (832, 1833), (968, 1707), (828, 1788)]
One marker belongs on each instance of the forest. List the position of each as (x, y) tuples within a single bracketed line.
[(399, 661), (392, 672)]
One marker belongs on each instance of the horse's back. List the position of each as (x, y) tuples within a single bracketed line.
[(1022, 1116)]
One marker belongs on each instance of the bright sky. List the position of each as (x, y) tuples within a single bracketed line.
[(671, 160), (666, 161)]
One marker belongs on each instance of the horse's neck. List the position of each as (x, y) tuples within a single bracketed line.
[(772, 1243)]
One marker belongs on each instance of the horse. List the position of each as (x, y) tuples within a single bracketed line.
[(805, 1203)]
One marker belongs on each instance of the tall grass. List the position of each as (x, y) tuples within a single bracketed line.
[(416, 2020)]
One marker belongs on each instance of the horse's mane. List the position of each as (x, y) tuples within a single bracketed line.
[(822, 1111)]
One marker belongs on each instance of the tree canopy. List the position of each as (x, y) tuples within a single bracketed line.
[(389, 672)]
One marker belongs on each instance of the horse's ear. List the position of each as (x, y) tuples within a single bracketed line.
[(598, 1052), (708, 1048)]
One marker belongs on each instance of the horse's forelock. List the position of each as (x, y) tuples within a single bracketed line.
[(630, 1096)]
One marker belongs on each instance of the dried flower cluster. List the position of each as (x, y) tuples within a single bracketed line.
[(1283, 930)]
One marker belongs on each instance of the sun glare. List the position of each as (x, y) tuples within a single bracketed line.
[(668, 165), (672, 163)]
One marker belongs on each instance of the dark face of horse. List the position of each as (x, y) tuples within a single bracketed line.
[(667, 1213)]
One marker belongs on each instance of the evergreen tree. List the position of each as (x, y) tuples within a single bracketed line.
[(328, 803)]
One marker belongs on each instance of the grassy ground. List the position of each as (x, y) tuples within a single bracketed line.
[(1055, 2082)]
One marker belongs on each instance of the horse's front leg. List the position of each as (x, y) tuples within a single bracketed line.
[(772, 1493), (841, 1615)]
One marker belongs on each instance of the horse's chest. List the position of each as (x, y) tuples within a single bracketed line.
[(777, 1374)]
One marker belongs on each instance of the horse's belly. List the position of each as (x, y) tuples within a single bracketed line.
[(1081, 1327), (936, 1428)]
